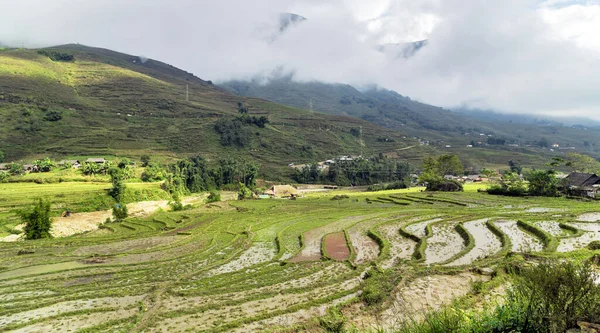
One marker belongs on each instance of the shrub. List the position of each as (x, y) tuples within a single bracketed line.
[(53, 116), (377, 285), (444, 186), (556, 296), (244, 192), (595, 245), (153, 173), (3, 177), (16, 169), (37, 221), (56, 55), (333, 322), (214, 196), (145, 160), (120, 212)]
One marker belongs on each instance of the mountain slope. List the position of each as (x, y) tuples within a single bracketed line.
[(441, 127), (109, 103)]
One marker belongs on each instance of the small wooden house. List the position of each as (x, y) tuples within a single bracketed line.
[(582, 184)]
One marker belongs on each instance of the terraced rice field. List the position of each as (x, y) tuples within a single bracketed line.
[(248, 266)]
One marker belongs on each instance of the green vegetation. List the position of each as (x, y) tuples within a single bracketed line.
[(549, 297), (220, 267), (356, 171), (37, 221), (436, 168), (104, 103)]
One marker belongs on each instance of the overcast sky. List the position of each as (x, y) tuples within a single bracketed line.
[(526, 56)]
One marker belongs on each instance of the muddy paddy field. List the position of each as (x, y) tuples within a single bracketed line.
[(280, 265)]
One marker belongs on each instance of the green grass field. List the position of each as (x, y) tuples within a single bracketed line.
[(259, 265)]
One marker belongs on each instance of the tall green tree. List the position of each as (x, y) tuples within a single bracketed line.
[(37, 221), (543, 183), (117, 191), (1, 156)]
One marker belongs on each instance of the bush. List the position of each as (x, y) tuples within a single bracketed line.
[(549, 297), (333, 322), (445, 186), (556, 296), (120, 212), (145, 160), (16, 169), (214, 196), (53, 116), (56, 55), (595, 245), (153, 173), (377, 285), (37, 221), (3, 177), (244, 192)]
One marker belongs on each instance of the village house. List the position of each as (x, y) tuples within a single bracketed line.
[(95, 160), (582, 184), (73, 163)]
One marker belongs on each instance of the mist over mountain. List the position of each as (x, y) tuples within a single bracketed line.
[(516, 56)]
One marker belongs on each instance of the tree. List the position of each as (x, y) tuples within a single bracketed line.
[(488, 173), (1, 156), (515, 167), (242, 109), (145, 160), (37, 221), (511, 184), (450, 165), (117, 190), (44, 165), (543, 183), (153, 173)]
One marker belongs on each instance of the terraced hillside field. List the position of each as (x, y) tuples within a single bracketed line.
[(245, 266)]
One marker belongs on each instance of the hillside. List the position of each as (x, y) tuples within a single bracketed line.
[(108, 103), (439, 126)]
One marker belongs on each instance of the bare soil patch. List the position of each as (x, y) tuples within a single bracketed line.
[(312, 238), (336, 247)]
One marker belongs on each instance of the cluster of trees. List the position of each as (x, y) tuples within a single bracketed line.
[(237, 131), (434, 170), (193, 175), (56, 55), (361, 171), (496, 141)]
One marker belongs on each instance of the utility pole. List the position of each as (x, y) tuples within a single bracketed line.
[(361, 141), (187, 93)]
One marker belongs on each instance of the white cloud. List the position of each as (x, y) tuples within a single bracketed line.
[(512, 55)]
